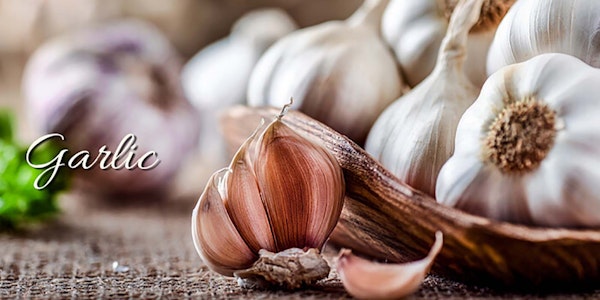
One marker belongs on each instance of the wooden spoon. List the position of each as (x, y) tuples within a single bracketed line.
[(388, 220)]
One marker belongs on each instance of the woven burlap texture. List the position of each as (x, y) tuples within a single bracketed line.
[(144, 250)]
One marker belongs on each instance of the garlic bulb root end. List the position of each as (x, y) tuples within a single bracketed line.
[(521, 136), (290, 269)]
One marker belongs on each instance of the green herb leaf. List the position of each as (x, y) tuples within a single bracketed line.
[(20, 201)]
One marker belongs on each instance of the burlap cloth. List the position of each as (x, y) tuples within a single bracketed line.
[(144, 250)]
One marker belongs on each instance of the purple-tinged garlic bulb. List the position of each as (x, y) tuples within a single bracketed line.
[(97, 85)]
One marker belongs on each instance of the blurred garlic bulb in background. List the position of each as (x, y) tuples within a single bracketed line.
[(528, 149), (339, 72), (414, 136), (415, 29), (100, 84), (533, 27), (217, 77)]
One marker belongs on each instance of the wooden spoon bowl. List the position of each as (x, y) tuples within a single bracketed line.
[(388, 220)]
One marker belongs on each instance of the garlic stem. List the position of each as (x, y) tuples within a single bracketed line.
[(453, 51), (492, 12), (369, 14)]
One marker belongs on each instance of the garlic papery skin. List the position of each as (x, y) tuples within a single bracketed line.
[(215, 237), (415, 30), (527, 150), (339, 72), (414, 137), (280, 192), (534, 27), (366, 279), (97, 85)]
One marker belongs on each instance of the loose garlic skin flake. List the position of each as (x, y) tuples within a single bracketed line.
[(528, 149), (415, 29), (534, 27)]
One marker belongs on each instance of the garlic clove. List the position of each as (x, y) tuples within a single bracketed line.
[(244, 203), (215, 237), (302, 187), (283, 194), (365, 279)]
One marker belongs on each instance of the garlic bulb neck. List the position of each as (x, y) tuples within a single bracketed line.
[(369, 14), (492, 12), (521, 136), (453, 50)]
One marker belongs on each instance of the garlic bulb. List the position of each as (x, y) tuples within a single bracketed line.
[(414, 136), (217, 77), (281, 191), (415, 29), (98, 85), (527, 149), (533, 27), (339, 72)]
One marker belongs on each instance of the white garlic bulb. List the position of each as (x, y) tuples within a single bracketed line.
[(414, 137), (415, 29), (217, 77), (100, 84), (534, 27), (339, 72), (528, 149)]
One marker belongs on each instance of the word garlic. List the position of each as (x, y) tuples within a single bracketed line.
[(414, 137), (528, 149), (339, 72), (97, 85)]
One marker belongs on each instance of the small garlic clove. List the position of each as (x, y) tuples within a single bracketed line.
[(216, 238), (365, 279), (302, 187), (244, 203)]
